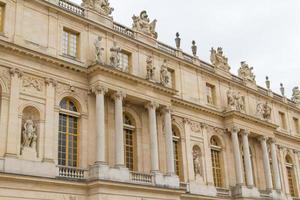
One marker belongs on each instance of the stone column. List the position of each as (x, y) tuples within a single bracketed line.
[(275, 165), (266, 161), (49, 120), (247, 159), (100, 124), (13, 121), (153, 135), (283, 151), (237, 156), (169, 141), (119, 137)]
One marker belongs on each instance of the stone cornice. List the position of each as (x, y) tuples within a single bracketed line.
[(239, 115), (286, 136), (130, 77), (194, 106)]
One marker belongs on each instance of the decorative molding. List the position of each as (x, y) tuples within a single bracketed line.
[(30, 82)]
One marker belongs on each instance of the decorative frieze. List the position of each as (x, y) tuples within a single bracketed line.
[(32, 84), (235, 101), (263, 110)]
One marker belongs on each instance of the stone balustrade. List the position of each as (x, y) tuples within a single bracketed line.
[(69, 6), (123, 29), (71, 172), (143, 178)]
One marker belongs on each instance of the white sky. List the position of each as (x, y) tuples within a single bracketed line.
[(265, 33)]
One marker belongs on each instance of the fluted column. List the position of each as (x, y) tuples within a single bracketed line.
[(153, 135), (49, 119), (247, 159), (237, 156), (275, 165), (119, 137), (100, 124), (169, 141), (13, 121), (266, 161)]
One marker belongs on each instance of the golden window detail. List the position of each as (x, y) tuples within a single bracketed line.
[(210, 94), (216, 162), (70, 43), (282, 120), (2, 7), (129, 144), (68, 134), (290, 176)]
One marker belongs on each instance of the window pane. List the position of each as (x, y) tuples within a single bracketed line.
[(69, 43)]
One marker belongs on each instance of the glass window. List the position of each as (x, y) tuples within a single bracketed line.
[(177, 155), (282, 120), (210, 94), (68, 135), (1, 17), (216, 162), (70, 43), (129, 143), (296, 125), (290, 175)]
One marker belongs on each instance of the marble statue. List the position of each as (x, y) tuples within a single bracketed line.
[(115, 55), (218, 59), (164, 74), (197, 161), (101, 6), (235, 101), (150, 68), (29, 134), (98, 50), (245, 72), (142, 23), (264, 110), (296, 95)]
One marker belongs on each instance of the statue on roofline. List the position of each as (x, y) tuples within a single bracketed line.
[(218, 59), (142, 23)]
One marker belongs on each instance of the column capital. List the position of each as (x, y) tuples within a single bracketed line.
[(99, 89), (16, 71), (120, 95), (152, 105), (272, 141), (49, 81), (234, 129), (246, 132), (262, 138), (166, 109)]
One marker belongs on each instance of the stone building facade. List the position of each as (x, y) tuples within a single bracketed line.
[(93, 110)]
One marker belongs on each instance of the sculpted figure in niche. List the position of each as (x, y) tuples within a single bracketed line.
[(296, 95), (264, 110), (164, 74), (29, 135), (197, 161), (235, 101), (115, 55), (98, 50), (218, 59), (245, 72), (142, 23), (150, 68)]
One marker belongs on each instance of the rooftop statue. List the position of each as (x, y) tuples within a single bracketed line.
[(101, 6), (296, 95), (245, 72), (142, 24), (218, 59)]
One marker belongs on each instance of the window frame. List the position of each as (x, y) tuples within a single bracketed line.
[(283, 122), (217, 150), (129, 62), (296, 125), (213, 93), (2, 17), (70, 32), (132, 129)]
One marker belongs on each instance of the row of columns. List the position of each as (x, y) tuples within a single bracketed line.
[(119, 137), (248, 164)]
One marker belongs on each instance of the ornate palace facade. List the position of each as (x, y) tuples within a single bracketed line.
[(93, 110)]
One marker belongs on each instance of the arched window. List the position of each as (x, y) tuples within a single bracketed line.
[(244, 165), (129, 143), (177, 153), (216, 151), (290, 175), (68, 134)]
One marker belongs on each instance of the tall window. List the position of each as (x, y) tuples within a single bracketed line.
[(290, 175), (68, 134), (1, 17), (70, 43), (177, 154), (296, 125), (216, 161), (282, 120), (129, 143), (210, 94)]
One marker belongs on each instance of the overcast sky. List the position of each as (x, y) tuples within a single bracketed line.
[(265, 33)]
